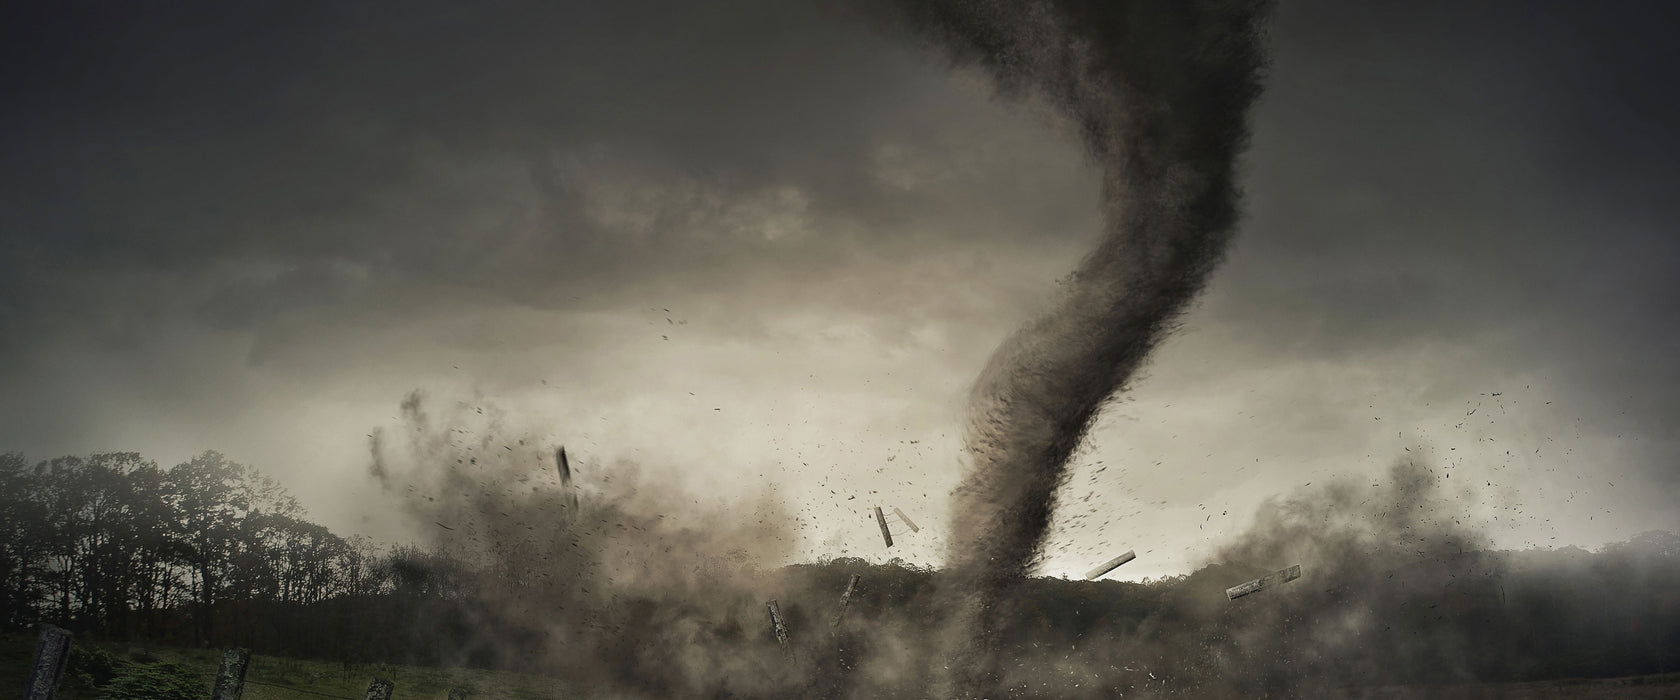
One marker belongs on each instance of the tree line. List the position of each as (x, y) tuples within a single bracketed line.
[(206, 552)]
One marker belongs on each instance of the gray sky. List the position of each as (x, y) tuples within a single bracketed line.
[(762, 244)]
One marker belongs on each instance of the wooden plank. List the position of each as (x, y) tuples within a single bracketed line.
[(905, 519), (1264, 582), (845, 599), (776, 623), (1110, 565)]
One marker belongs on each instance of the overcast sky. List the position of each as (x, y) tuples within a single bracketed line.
[(763, 244)]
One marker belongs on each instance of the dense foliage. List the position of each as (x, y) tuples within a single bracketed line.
[(208, 552)]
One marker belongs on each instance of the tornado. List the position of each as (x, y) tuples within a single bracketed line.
[(1159, 92)]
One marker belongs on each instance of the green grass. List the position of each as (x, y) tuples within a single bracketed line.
[(1655, 687), (278, 678), (351, 680)]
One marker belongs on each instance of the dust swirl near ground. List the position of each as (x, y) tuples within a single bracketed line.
[(616, 582)]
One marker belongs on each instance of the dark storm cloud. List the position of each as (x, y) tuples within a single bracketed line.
[(303, 172), (239, 226), (1435, 149), (1491, 176), (1448, 171), (1502, 161), (320, 151), (228, 214), (172, 136)]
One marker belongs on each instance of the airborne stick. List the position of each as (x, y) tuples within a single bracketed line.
[(905, 519), (845, 599), (1110, 565), (564, 466), (1264, 582), (776, 623)]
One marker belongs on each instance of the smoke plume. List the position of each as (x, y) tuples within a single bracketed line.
[(582, 570), (623, 587), (1159, 92)]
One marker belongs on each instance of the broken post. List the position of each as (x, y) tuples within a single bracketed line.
[(52, 652), (1264, 582), (882, 519), (564, 466), (1110, 565), (230, 681), (905, 519), (776, 623), (380, 689), (845, 599)]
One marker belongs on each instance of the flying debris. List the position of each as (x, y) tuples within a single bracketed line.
[(905, 519), (1110, 565), (776, 623), (845, 599), (564, 465), (1264, 582), (881, 519)]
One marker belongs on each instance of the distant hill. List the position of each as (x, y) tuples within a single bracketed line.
[(1462, 618)]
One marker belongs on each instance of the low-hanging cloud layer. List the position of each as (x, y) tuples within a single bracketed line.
[(768, 246)]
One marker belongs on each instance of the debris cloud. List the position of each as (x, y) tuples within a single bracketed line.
[(615, 582), (644, 596)]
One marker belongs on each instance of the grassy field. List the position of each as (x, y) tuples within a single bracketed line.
[(276, 678), (1658, 687)]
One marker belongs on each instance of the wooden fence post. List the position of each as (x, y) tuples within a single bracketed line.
[(230, 681), (845, 599), (776, 624), (51, 655), (380, 689)]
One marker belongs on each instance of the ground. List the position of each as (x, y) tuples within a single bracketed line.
[(276, 678)]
